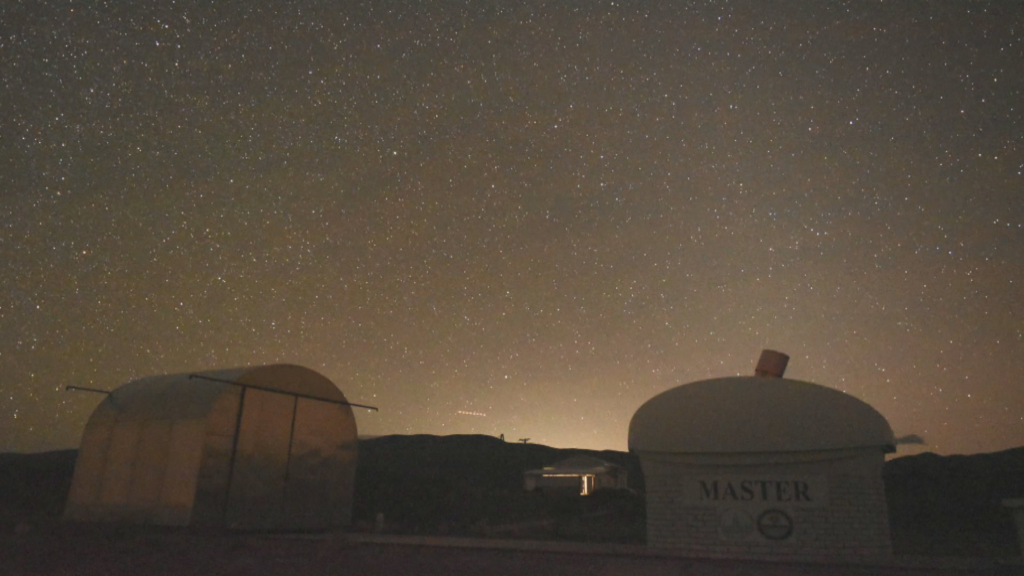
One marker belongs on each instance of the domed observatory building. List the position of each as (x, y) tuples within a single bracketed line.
[(262, 448), (764, 467)]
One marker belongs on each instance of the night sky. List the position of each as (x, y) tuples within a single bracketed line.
[(516, 218)]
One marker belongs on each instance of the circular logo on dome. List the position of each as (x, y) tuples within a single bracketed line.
[(735, 524), (775, 524)]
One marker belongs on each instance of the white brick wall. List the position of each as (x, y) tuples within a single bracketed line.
[(851, 524)]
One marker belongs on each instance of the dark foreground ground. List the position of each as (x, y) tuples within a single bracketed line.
[(439, 495), (78, 550)]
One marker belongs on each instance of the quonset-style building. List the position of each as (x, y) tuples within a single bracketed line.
[(264, 448), (764, 467)]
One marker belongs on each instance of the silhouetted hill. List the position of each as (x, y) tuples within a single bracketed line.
[(473, 485), (951, 505), (34, 487)]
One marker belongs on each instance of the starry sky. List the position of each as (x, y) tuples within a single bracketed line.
[(518, 218)]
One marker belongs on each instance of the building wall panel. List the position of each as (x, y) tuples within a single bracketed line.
[(84, 495), (181, 474), (753, 509), (215, 461), (257, 479), (321, 471), (120, 464), (150, 465)]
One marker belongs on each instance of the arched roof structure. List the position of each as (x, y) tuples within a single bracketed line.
[(738, 415), (260, 448)]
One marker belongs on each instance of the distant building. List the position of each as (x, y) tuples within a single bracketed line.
[(578, 474), (266, 448), (764, 467)]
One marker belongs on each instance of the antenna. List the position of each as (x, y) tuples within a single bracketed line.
[(275, 391), (84, 389)]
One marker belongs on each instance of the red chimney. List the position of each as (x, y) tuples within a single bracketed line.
[(772, 364)]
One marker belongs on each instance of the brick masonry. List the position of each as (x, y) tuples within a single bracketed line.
[(744, 506)]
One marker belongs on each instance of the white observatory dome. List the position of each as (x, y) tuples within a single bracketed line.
[(756, 415)]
